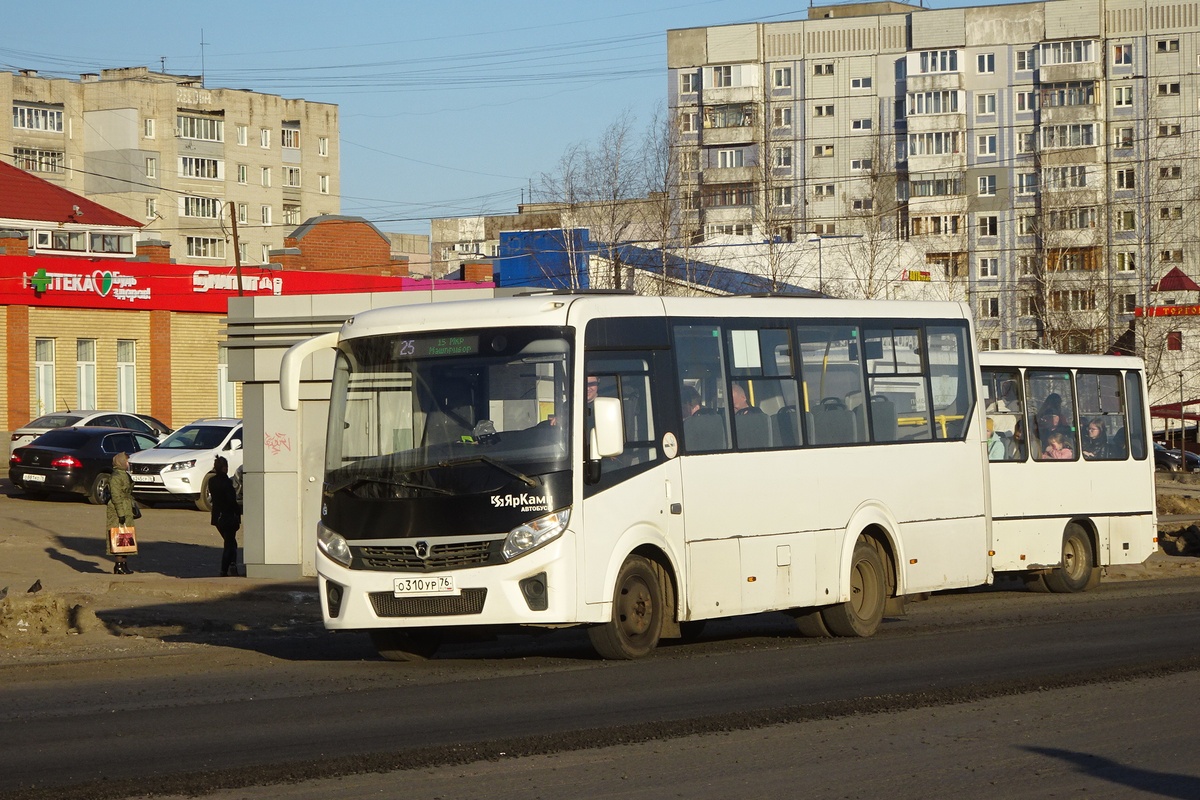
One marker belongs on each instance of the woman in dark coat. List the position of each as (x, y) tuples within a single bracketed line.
[(119, 508), (226, 513)]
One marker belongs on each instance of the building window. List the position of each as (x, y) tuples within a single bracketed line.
[(1072, 219), (203, 207), (151, 167), (323, 145), (205, 129), (1026, 141), (861, 164), (1025, 266), (265, 215), (291, 214), (822, 150), (151, 208), (32, 159), (863, 204), (1169, 131), (205, 247), (823, 111), (783, 156), (1078, 135), (266, 253), (937, 61), (728, 159), (1122, 55), (1170, 173), (1027, 183), (782, 117), (1125, 178), (85, 374), (127, 375), (1073, 300), (689, 121), (243, 173), (1125, 220), (689, 160), (323, 180), (206, 168), (985, 63), (1072, 51), (1025, 60), (1024, 100), (860, 124), (37, 118), (934, 143), (781, 77), (824, 229), (148, 128), (43, 383), (1123, 138), (722, 77), (264, 137), (266, 176), (1126, 262), (1167, 46), (823, 69), (860, 83), (289, 138), (783, 196), (989, 307), (988, 225), (1175, 340), (1122, 96), (1067, 93), (1171, 256), (1170, 212), (941, 101), (986, 145), (989, 267), (1168, 89), (1128, 303), (824, 190), (689, 82), (987, 185), (243, 135), (291, 177)]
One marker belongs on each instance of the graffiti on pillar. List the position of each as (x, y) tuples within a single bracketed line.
[(277, 443)]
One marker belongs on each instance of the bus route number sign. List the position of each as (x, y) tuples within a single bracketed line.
[(424, 584)]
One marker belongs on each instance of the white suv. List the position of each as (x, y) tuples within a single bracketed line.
[(180, 466)]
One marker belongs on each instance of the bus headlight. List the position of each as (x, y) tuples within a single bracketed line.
[(333, 545), (535, 533)]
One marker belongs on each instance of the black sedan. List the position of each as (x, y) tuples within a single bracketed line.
[(77, 460)]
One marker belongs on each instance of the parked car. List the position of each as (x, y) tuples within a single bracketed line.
[(1169, 461), (141, 423), (76, 459), (179, 467)]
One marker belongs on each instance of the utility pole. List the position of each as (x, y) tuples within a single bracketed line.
[(237, 250)]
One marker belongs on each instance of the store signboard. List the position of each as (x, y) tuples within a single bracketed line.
[(59, 282)]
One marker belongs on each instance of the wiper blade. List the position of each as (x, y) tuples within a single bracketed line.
[(354, 483), (491, 462)]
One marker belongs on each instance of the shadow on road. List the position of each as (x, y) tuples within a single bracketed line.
[(1164, 784)]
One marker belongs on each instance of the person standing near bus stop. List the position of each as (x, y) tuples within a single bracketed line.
[(226, 514)]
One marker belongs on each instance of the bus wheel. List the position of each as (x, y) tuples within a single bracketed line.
[(810, 623), (637, 614), (862, 613), (394, 644), (1078, 571)]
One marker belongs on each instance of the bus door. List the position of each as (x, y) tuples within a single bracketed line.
[(635, 497)]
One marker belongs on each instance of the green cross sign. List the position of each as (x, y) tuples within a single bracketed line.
[(40, 281)]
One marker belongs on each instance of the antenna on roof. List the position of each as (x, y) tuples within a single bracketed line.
[(202, 56), (162, 60)]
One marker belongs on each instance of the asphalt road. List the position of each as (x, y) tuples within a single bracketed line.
[(229, 714)]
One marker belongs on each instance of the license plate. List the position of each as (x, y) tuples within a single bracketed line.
[(145, 478), (29, 477), (425, 584)]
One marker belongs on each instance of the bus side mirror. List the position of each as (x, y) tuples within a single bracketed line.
[(608, 429)]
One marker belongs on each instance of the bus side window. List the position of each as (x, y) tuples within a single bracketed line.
[(1136, 422), (703, 386), (1101, 416), (831, 372)]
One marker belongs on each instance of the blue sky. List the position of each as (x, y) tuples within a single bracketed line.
[(447, 108)]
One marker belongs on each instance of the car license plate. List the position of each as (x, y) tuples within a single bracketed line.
[(425, 584), (145, 478), (29, 477)]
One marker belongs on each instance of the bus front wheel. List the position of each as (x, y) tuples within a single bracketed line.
[(637, 614), (862, 613), (1077, 572), (394, 644)]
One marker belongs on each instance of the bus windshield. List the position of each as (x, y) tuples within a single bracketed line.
[(448, 413)]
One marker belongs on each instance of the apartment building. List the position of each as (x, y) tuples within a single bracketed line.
[(168, 151), (1039, 159)]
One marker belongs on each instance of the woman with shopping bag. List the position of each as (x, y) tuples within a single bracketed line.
[(119, 533)]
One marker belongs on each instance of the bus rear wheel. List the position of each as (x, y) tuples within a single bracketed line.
[(394, 644), (1077, 572), (637, 614), (862, 613)]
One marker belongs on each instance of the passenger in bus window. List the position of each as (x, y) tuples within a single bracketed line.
[(691, 401), (1016, 444), (1095, 443), (740, 404), (996, 446), (1057, 449)]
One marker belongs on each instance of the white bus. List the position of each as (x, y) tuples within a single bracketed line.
[(1072, 473), (639, 465)]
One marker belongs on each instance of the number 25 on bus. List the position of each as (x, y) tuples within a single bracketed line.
[(638, 465)]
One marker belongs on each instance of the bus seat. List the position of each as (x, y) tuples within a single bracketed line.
[(753, 430), (704, 430), (883, 419), (833, 423), (454, 416), (787, 426)]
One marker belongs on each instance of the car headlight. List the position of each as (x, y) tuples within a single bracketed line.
[(535, 533), (178, 465), (333, 545)]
